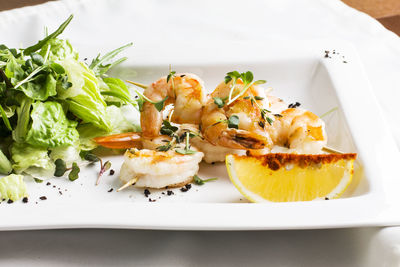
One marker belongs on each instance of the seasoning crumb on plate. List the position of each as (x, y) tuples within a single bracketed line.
[(146, 192)]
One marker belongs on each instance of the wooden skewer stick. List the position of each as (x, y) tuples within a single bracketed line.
[(331, 150), (129, 183), (137, 84)]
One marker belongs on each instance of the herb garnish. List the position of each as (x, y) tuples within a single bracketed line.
[(187, 150), (158, 105), (294, 105), (164, 148), (220, 101), (42, 42), (233, 122), (103, 169), (170, 75), (247, 79), (197, 180), (98, 66), (74, 174), (5, 118), (61, 169), (167, 128), (263, 111)]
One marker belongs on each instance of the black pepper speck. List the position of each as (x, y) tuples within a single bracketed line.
[(146, 192)]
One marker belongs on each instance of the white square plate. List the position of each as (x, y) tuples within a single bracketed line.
[(297, 71)]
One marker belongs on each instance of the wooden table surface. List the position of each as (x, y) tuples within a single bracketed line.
[(386, 12)]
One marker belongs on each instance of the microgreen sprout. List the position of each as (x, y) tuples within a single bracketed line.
[(158, 105), (187, 150), (197, 180), (247, 79), (220, 101)]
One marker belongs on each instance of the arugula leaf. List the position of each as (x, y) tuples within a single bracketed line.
[(5, 118), (197, 180), (41, 43), (233, 122), (57, 68), (98, 66), (37, 59), (23, 113)]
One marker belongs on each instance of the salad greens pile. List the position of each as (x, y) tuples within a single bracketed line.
[(52, 105)]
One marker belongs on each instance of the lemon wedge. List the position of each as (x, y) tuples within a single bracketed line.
[(291, 177)]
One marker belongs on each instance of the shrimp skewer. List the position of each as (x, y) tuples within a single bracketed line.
[(165, 160), (299, 130), (159, 169), (248, 133), (184, 90)]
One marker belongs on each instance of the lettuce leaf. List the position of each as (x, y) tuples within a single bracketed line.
[(23, 112), (58, 49), (50, 127), (69, 154), (116, 89), (12, 187), (5, 165), (84, 98), (32, 160), (123, 119)]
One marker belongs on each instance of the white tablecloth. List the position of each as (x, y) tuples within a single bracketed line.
[(211, 20)]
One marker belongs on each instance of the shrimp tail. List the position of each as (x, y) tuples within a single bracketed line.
[(120, 141), (241, 139)]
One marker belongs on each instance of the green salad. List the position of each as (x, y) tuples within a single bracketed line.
[(51, 107)]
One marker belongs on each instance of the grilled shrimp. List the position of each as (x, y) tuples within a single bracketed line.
[(299, 130), (250, 133), (212, 153), (155, 169), (186, 91)]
